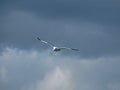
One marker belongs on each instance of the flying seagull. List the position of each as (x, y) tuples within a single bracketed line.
[(55, 48)]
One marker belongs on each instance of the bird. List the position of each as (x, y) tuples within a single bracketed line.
[(55, 48)]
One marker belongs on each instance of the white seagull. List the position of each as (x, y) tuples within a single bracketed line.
[(56, 48)]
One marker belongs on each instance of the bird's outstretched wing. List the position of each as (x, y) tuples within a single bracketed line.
[(69, 48), (48, 43)]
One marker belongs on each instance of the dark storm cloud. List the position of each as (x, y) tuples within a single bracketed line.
[(94, 10), (92, 26)]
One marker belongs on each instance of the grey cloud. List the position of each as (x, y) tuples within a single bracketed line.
[(33, 70), (57, 79), (100, 73), (20, 70)]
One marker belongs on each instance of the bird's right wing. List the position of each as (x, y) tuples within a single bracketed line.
[(69, 48), (50, 44)]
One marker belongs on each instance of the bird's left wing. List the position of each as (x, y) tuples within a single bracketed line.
[(50, 44)]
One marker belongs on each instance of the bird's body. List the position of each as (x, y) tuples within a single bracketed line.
[(56, 49)]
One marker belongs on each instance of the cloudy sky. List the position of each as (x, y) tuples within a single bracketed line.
[(93, 26)]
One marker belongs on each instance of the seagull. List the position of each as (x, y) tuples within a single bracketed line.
[(55, 48)]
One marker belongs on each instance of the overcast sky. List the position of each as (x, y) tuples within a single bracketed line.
[(92, 26)]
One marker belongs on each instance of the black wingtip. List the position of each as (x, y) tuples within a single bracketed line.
[(75, 49), (38, 38)]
